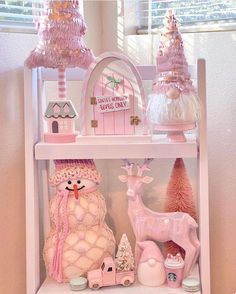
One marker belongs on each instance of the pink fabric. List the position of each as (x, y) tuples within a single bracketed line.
[(73, 169), (150, 250), (86, 242), (62, 229), (185, 87), (66, 163), (172, 67)]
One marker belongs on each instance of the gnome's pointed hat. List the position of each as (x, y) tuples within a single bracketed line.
[(150, 250), (172, 67), (61, 37)]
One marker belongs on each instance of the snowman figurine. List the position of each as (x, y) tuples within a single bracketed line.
[(79, 238), (151, 271)]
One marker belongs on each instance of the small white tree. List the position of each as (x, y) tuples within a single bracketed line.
[(124, 255)]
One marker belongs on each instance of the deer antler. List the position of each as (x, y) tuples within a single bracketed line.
[(128, 167), (144, 167)]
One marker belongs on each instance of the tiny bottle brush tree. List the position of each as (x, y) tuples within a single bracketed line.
[(61, 40), (179, 198), (124, 256)]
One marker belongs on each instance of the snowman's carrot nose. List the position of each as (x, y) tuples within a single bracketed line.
[(76, 191)]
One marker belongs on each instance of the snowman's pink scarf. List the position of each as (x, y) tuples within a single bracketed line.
[(62, 228)]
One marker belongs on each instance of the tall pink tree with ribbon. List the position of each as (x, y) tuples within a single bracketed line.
[(61, 40)]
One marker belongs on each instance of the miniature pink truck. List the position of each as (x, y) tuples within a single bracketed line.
[(107, 275)]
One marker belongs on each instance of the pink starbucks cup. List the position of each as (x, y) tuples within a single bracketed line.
[(174, 267)]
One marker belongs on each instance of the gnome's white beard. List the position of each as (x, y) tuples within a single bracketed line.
[(151, 274), (163, 110)]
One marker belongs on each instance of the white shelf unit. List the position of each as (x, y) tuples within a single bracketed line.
[(38, 154)]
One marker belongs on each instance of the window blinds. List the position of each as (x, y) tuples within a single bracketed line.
[(20, 14), (150, 12)]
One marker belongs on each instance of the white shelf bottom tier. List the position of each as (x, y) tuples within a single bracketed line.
[(158, 147), (51, 287)]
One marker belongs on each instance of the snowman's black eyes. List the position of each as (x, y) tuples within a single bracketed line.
[(78, 181), (69, 182)]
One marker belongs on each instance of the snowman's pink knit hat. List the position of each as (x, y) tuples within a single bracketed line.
[(73, 169), (150, 250)]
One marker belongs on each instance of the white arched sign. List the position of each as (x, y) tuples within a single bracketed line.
[(113, 100)]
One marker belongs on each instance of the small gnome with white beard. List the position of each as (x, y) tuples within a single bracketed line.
[(173, 106), (151, 271)]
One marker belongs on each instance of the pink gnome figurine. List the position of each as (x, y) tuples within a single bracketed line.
[(151, 270), (79, 238), (174, 105)]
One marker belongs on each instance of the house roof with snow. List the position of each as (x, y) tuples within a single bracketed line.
[(61, 109)]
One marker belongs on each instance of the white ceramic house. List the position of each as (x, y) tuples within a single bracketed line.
[(60, 116)]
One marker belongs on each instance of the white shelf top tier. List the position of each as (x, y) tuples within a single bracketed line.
[(113, 147)]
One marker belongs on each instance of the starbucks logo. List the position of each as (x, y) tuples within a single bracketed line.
[(172, 277)]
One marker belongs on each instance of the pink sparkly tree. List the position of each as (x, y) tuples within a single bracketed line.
[(61, 40), (179, 198)]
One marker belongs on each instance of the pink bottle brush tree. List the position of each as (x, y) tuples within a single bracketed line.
[(61, 40), (179, 198)]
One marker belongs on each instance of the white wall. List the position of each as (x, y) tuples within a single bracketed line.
[(13, 50), (219, 50)]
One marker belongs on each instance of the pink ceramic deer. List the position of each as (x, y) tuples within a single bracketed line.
[(179, 227)]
